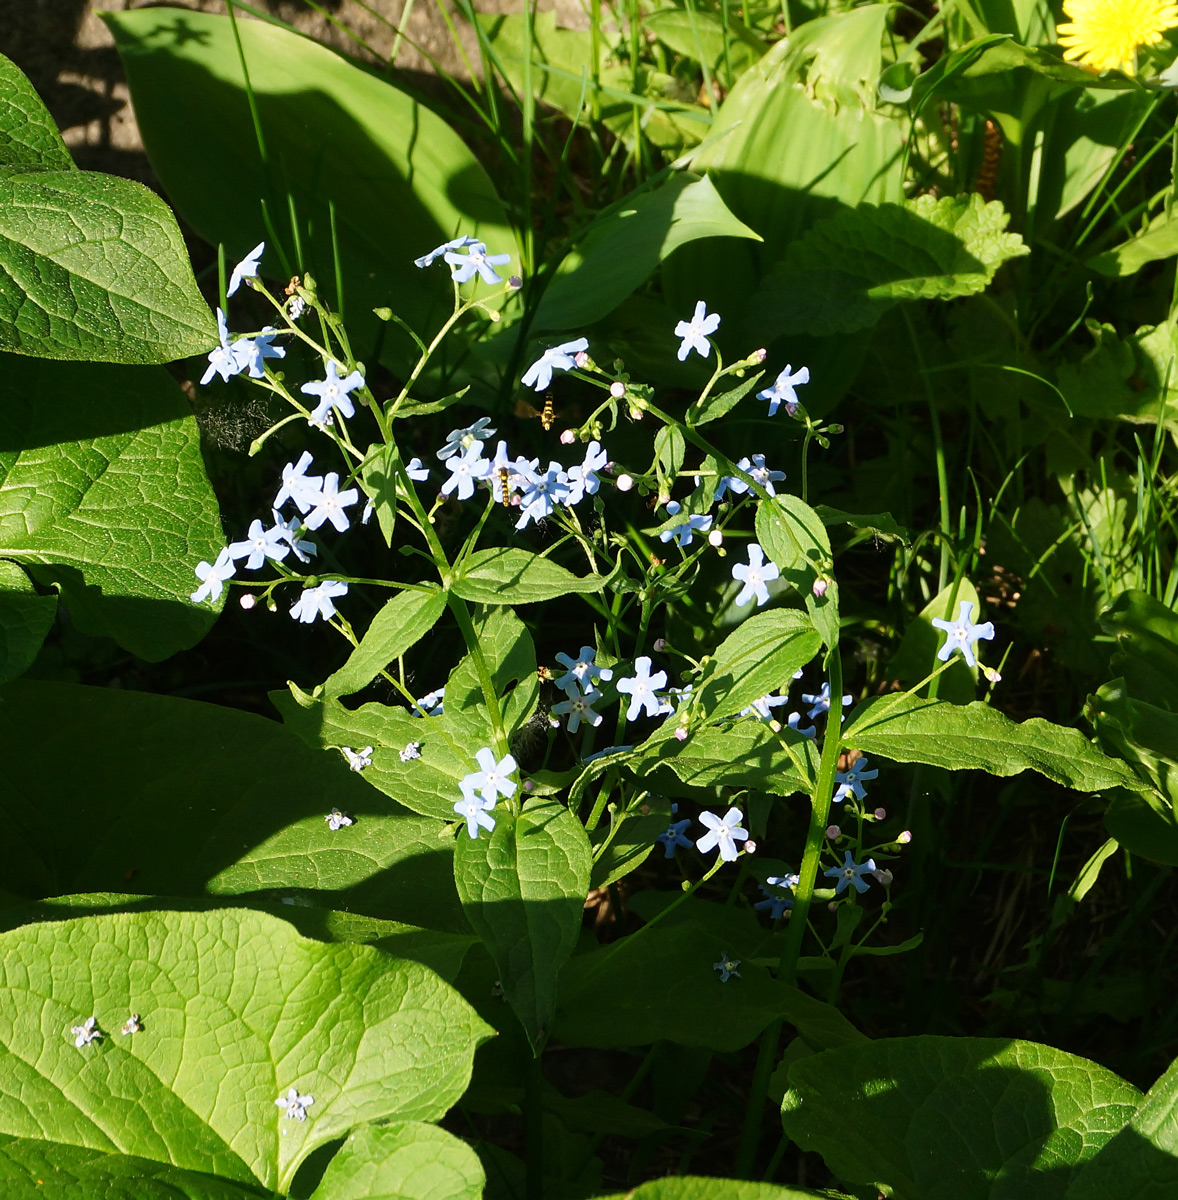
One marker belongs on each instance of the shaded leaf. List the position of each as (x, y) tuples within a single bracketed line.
[(25, 619), (916, 656), (506, 576), (28, 134)]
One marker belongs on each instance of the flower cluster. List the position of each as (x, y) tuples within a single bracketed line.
[(481, 790)]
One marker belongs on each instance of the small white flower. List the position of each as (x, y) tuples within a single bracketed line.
[(246, 269), (212, 577), (357, 759), (411, 751), (336, 820), (754, 576), (641, 689), (294, 1106), (86, 1033), (131, 1025), (695, 333), (723, 832), (318, 601)]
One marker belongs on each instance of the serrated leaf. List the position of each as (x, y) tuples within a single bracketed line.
[(976, 736), (182, 799), (850, 269), (368, 1036), (936, 1116), (407, 1160), (523, 890), (28, 135), (103, 493), (506, 576), (94, 268), (401, 623), (25, 619)]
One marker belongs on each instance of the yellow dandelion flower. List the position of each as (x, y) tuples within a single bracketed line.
[(1105, 34)]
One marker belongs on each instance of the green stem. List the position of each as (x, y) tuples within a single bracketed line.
[(534, 1127)]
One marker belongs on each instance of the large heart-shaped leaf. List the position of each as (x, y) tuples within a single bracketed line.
[(235, 1009), (103, 493)]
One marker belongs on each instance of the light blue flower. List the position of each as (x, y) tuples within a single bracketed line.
[(681, 696), (87, 1032), (761, 473), (641, 689), (317, 601), (672, 837), (416, 471), (685, 532), (491, 780), (474, 809), (289, 532), (465, 469), (851, 873), (253, 352), (337, 819), (583, 479), (723, 832), (962, 635), (330, 504), (783, 390), (582, 671), (778, 895), (225, 360), (851, 780), (333, 393), (542, 493), (820, 703), (297, 485), (695, 333), (579, 708), (458, 243), (260, 544), (794, 721), (246, 269), (539, 374), (212, 577), (294, 1106), (755, 576), (432, 704), (458, 441), (763, 705), (727, 967), (476, 258)]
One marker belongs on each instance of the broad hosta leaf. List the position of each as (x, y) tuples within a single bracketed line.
[(400, 624), (407, 1160), (370, 1037), (624, 245), (25, 618), (1141, 1161), (338, 140), (94, 268), (34, 1169), (103, 492), (523, 889), (179, 798), (848, 271), (506, 576), (693, 1187), (965, 736), (971, 1118), (28, 136)]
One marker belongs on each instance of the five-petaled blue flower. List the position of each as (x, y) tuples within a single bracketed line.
[(779, 895), (672, 837), (763, 706), (727, 967), (560, 358), (330, 504), (684, 532), (253, 352), (755, 576), (464, 470), (317, 601), (474, 809), (695, 332), (582, 671), (212, 577), (492, 780), (333, 393), (851, 873), (579, 707), (476, 258), (458, 441), (641, 689), (724, 832), (297, 485), (542, 492), (458, 243), (783, 390), (583, 480), (260, 544), (246, 269), (851, 780), (962, 635), (820, 703), (225, 360)]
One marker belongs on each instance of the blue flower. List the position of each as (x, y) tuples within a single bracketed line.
[(641, 689), (723, 832), (458, 243), (87, 1032), (261, 544), (727, 967), (253, 352), (294, 1106), (416, 471), (337, 819), (754, 576), (464, 470), (672, 837), (850, 781), (297, 485), (761, 473), (539, 374), (476, 258), (583, 480), (778, 896), (289, 532), (820, 703), (225, 360), (681, 697), (333, 393), (458, 441), (330, 504), (962, 635), (431, 705), (783, 390), (246, 269), (582, 671), (542, 493), (491, 780), (474, 809), (686, 531), (763, 705), (579, 708), (695, 332), (212, 577), (317, 601), (851, 873)]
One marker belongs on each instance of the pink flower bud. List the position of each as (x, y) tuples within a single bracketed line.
[(819, 588), (660, 644), (581, 359), (515, 283), (617, 390), (881, 814), (885, 877), (529, 785), (759, 356), (833, 832), (568, 437), (681, 734), (905, 837), (750, 847)]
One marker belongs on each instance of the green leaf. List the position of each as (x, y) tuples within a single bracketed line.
[(103, 493), (510, 654), (400, 624), (25, 619), (523, 890), (760, 656), (1158, 241), (1145, 736), (792, 534), (36, 1169), (882, 525), (1147, 646), (1141, 1161), (974, 736), (728, 49), (690, 1187), (94, 268), (1143, 824), (717, 406), (28, 135), (506, 576), (368, 1036), (916, 657), (629, 838), (967, 1117), (181, 799), (624, 244), (846, 272), (344, 150), (406, 1160)]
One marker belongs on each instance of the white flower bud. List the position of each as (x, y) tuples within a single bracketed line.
[(716, 537), (625, 483), (248, 600)]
